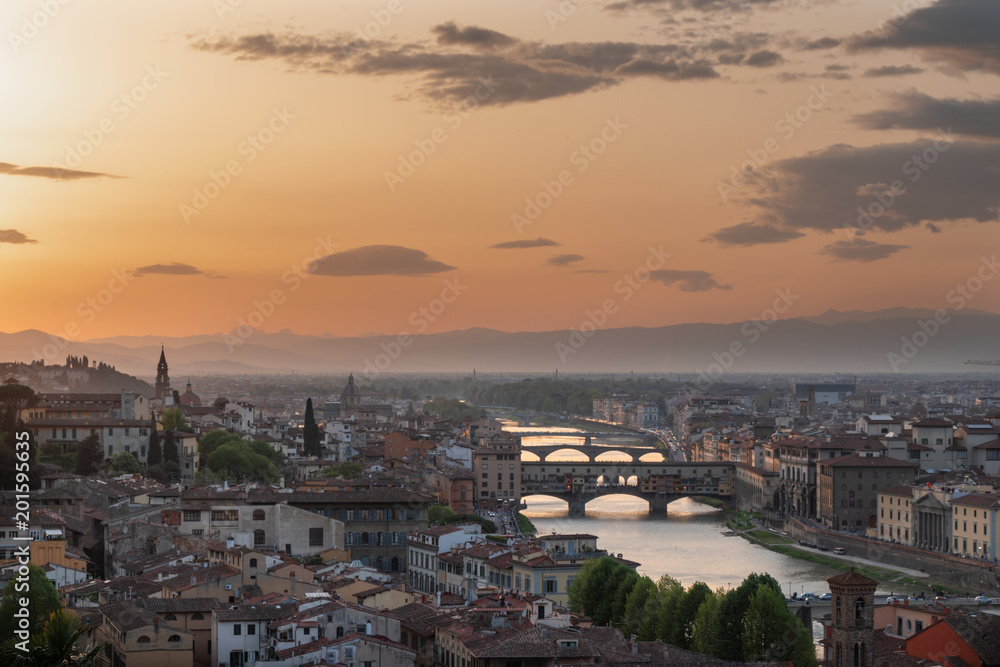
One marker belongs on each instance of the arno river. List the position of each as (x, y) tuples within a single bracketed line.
[(687, 543)]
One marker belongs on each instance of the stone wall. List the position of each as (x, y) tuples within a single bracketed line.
[(972, 576)]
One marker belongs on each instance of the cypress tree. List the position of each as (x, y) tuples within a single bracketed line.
[(154, 456)]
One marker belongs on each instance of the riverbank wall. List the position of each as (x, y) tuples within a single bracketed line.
[(971, 576)]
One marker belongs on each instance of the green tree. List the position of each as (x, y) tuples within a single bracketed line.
[(634, 619), (345, 469), (220, 403), (687, 612), (728, 644), (665, 618), (170, 453), (310, 432), (58, 645), (89, 455), (42, 601), (266, 450), (773, 633), (706, 623), (206, 477), (237, 463), (125, 462), (439, 515), (586, 590), (154, 455), (208, 442), (172, 418)]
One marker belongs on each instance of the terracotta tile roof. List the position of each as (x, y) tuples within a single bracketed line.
[(178, 605), (415, 615), (852, 578), (264, 612), (978, 500), (933, 421)]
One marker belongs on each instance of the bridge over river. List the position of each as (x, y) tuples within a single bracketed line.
[(657, 482)]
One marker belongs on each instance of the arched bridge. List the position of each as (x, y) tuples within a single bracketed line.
[(593, 451), (660, 483)]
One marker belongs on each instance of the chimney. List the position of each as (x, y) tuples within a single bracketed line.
[(194, 580), (368, 628), (439, 598)]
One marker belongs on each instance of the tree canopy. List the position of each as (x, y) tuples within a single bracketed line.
[(238, 462), (750, 623), (89, 455), (172, 419), (125, 462), (42, 601), (345, 469)]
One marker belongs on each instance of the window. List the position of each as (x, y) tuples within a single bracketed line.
[(253, 562), (192, 515), (258, 537), (252, 629), (175, 638), (170, 617), (237, 629), (143, 640), (197, 616), (225, 515), (258, 515)]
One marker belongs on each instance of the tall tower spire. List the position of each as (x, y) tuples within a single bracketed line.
[(162, 375)]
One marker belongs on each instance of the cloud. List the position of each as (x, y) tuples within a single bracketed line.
[(821, 43), (892, 70), (942, 179), (749, 233), (449, 34), (464, 61), (933, 229), (689, 281), (563, 260), (525, 243), (960, 34), (14, 237), (174, 269), (671, 6), (378, 260), (912, 110), (55, 173), (861, 250), (764, 58), (668, 69)]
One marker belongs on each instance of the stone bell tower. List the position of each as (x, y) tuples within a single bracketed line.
[(852, 610)]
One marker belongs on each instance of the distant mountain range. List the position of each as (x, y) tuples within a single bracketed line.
[(853, 341)]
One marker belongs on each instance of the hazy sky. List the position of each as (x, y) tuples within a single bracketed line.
[(167, 167)]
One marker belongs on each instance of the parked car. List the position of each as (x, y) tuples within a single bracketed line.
[(894, 598), (982, 599), (824, 548), (839, 551), (825, 596), (809, 596)]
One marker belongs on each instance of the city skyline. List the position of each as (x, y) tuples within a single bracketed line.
[(172, 171)]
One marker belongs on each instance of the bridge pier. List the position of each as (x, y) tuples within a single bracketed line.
[(577, 507), (658, 504)]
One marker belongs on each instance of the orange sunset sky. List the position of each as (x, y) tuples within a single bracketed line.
[(116, 114)]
